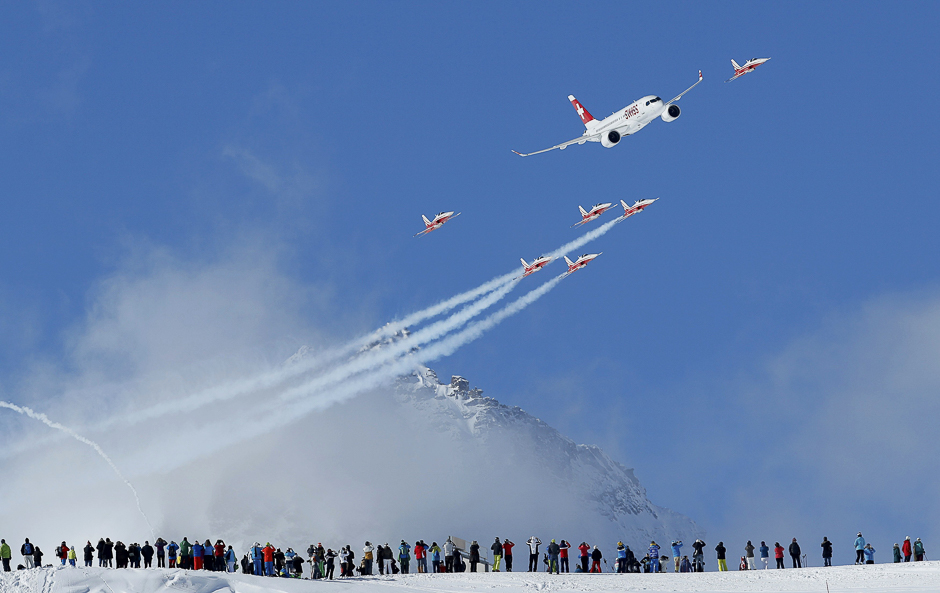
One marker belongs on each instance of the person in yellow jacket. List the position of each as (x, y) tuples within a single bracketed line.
[(5, 554), (72, 556)]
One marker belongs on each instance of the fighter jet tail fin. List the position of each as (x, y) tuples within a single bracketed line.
[(583, 211), (524, 264), (735, 64), (426, 221), (568, 261)]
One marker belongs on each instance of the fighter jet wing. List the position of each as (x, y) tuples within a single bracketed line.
[(578, 140), (736, 76), (679, 96)]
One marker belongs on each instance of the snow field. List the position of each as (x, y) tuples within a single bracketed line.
[(910, 577)]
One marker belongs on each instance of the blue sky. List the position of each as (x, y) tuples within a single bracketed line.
[(749, 311)]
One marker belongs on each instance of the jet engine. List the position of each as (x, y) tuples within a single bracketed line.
[(671, 114), (609, 139)]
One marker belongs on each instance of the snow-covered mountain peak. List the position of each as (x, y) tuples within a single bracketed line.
[(583, 472)]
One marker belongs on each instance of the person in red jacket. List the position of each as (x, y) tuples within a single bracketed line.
[(268, 552), (507, 553), (563, 555), (778, 554), (63, 551), (219, 553), (585, 549), (906, 549)]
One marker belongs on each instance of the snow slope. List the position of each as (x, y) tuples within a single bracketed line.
[(879, 578)]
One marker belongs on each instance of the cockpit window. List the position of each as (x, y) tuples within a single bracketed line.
[(654, 100), (647, 103)]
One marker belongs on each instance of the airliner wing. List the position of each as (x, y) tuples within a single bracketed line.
[(679, 96), (563, 145)]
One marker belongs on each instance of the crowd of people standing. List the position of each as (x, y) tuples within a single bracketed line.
[(268, 560)]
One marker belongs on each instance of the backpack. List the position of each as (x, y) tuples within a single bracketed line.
[(27, 549)]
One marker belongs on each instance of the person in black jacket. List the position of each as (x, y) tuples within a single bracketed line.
[(120, 555), (474, 555), (89, 553), (497, 549), (37, 557), (109, 552), (827, 551), (596, 560), (147, 553), (698, 556), (133, 555), (795, 554), (720, 549)]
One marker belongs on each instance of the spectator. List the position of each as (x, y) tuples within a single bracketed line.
[(795, 554), (749, 555), (722, 564), (585, 552), (563, 548), (596, 560), (698, 556), (507, 553), (918, 550), (859, 549), (778, 554), (826, 551), (676, 547), (906, 549), (765, 555), (534, 544), (654, 557), (497, 549), (869, 554), (897, 553)]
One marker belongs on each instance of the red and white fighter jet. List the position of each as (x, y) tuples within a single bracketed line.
[(747, 67), (535, 266), (439, 220), (574, 266), (595, 212), (636, 208), (624, 122)]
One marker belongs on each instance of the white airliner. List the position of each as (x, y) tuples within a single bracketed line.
[(747, 67), (629, 120), (438, 222)]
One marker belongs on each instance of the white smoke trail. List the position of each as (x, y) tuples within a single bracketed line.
[(389, 353), (52, 424), (586, 238), (271, 379), (318, 400)]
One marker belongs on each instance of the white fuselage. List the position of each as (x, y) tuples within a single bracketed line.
[(631, 119)]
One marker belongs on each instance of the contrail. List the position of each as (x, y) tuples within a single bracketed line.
[(365, 381), (397, 349), (271, 379), (45, 420)]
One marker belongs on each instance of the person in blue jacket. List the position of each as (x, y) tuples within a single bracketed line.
[(230, 559), (765, 554), (676, 546), (859, 549), (654, 557), (869, 554), (171, 551), (257, 556), (621, 558)]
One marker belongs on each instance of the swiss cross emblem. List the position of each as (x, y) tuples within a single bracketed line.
[(581, 111)]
